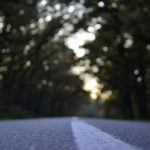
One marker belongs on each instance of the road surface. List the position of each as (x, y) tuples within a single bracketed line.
[(74, 134)]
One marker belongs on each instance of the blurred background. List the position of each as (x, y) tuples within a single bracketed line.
[(75, 58)]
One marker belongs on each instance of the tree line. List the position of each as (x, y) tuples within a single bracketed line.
[(35, 63)]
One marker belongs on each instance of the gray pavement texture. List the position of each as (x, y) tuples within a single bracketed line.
[(41, 134), (56, 133), (132, 132)]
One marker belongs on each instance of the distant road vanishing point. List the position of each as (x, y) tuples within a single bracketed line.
[(74, 134)]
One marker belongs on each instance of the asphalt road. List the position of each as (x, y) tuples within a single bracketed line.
[(74, 134)]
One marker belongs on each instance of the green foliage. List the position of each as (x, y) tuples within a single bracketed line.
[(121, 44), (35, 63), (35, 77)]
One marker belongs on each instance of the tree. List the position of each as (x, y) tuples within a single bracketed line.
[(35, 64), (119, 50)]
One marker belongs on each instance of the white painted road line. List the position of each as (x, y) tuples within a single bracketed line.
[(88, 137)]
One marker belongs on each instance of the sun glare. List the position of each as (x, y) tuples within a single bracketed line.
[(77, 40), (91, 85), (106, 95), (43, 3)]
